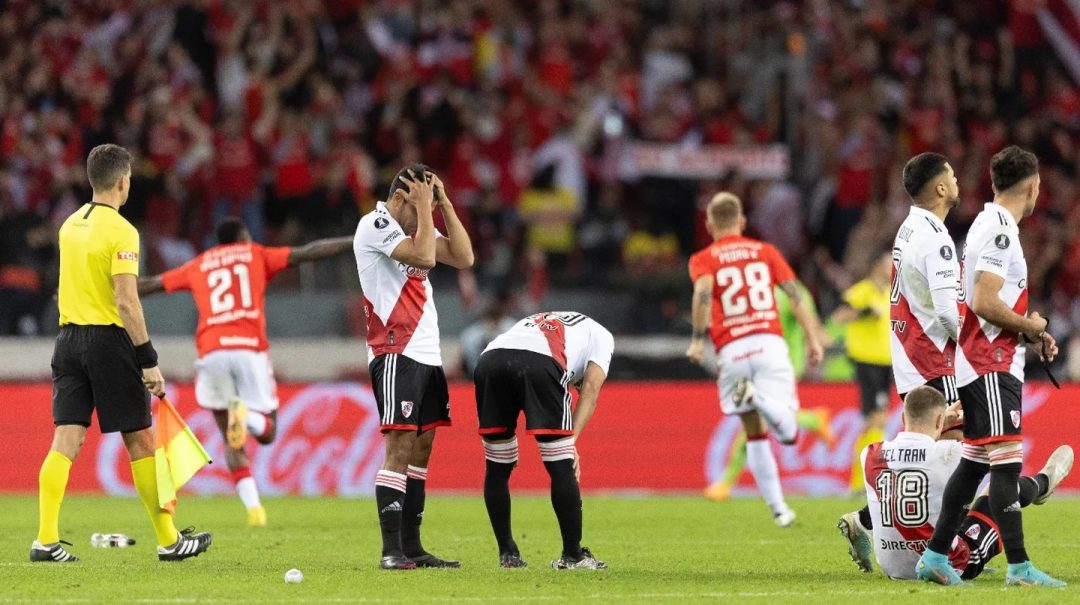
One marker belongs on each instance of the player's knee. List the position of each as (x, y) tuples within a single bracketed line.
[(501, 449), (140, 444), (557, 449)]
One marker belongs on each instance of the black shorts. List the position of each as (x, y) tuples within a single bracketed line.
[(509, 381), (412, 396), (946, 385), (94, 367), (992, 408), (875, 383), (980, 532)]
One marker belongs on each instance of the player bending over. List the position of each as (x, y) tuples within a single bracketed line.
[(396, 245), (530, 368), (905, 479), (234, 378), (733, 299)]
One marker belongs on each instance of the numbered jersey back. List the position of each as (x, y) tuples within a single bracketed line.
[(745, 271), (905, 480), (228, 283)]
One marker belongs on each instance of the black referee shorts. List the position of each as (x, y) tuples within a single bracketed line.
[(94, 367), (875, 383)]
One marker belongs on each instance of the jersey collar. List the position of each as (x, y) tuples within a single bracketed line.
[(1010, 222), (381, 206), (911, 436), (916, 211)]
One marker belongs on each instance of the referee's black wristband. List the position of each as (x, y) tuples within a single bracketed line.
[(146, 355)]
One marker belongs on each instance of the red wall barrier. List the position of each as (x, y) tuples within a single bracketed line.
[(648, 436)]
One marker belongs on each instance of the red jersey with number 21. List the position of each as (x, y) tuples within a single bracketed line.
[(228, 283), (744, 271)]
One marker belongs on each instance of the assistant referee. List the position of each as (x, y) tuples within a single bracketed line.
[(103, 359)]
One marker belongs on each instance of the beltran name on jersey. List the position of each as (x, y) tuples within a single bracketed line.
[(571, 339), (924, 260), (905, 480), (992, 246), (399, 303)]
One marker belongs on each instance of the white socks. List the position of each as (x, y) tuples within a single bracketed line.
[(256, 423), (249, 494), (759, 458)]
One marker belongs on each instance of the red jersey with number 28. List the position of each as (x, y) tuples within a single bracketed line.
[(744, 272), (228, 283)]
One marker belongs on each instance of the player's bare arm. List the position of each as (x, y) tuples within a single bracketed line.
[(586, 405), (150, 285), (456, 248), (317, 250), (419, 251), (987, 304), (126, 291), (808, 319), (700, 314)]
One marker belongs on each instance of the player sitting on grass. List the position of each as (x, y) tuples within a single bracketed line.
[(530, 368), (234, 379), (905, 479)]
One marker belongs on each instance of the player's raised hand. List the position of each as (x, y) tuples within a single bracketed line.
[(696, 351), (441, 200), (154, 381), (420, 190)]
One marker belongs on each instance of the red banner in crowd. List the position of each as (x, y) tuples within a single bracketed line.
[(645, 436)]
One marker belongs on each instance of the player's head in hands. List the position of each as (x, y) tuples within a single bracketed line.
[(930, 182), (1014, 174), (924, 411), (232, 230), (398, 201), (724, 215), (108, 167)]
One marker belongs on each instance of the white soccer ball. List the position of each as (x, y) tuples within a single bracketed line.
[(294, 576)]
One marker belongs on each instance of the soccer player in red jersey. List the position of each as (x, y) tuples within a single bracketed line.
[(234, 378), (733, 299)]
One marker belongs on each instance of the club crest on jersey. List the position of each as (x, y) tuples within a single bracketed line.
[(973, 532), (406, 408), (946, 253), (1014, 415), (381, 223), (1002, 241)]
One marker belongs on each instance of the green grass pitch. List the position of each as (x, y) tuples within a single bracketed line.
[(660, 550)]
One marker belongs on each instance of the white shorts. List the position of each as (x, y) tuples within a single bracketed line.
[(227, 373), (762, 359)]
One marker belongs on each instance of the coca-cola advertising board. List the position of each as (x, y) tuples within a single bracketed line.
[(644, 437)]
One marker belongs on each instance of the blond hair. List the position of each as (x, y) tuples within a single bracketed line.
[(724, 210)]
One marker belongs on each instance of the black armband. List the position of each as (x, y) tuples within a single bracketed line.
[(145, 355)]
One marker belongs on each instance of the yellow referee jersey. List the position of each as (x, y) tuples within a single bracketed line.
[(867, 336), (96, 243)]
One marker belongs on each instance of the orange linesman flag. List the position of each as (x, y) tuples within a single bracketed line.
[(178, 455)]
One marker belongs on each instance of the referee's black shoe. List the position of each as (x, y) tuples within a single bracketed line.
[(188, 544), (51, 554), (427, 559), (396, 562)]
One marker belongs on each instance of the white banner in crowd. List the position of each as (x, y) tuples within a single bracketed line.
[(707, 161)]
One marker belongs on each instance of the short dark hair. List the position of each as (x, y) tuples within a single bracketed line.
[(229, 230), (1010, 166), (106, 164), (920, 170), (922, 402), (401, 180)]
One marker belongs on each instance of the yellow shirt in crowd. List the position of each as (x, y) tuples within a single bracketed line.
[(867, 337)]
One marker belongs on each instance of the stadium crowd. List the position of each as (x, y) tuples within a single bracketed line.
[(296, 115)]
